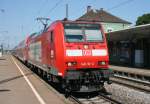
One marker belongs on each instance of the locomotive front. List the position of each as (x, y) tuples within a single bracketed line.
[(86, 57)]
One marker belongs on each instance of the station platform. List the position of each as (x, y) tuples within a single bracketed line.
[(19, 85), (138, 71)]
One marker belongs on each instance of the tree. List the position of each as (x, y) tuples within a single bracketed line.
[(144, 19)]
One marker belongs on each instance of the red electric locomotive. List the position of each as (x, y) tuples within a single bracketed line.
[(72, 53)]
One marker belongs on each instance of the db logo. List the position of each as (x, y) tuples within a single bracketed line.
[(87, 53)]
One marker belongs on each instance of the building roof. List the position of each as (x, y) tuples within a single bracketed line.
[(101, 16), (136, 32)]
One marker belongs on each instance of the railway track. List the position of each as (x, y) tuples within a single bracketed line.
[(136, 76), (100, 99), (132, 83)]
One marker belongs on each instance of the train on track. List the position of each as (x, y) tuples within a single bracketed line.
[(71, 53)]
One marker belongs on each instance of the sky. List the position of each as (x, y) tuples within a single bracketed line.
[(18, 17)]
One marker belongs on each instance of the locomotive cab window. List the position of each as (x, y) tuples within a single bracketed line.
[(93, 34), (82, 33), (73, 34), (51, 36)]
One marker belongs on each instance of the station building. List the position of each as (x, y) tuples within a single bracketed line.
[(129, 46)]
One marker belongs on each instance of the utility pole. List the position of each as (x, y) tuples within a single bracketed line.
[(1, 49), (44, 21), (67, 11), (21, 29), (3, 43)]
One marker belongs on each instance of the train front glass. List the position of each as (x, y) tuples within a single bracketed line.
[(83, 33)]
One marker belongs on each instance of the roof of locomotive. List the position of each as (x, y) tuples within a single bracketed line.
[(61, 21), (82, 22), (73, 22), (35, 34)]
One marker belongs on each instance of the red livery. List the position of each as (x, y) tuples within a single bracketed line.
[(72, 53)]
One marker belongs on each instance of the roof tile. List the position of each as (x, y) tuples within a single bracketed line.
[(101, 16)]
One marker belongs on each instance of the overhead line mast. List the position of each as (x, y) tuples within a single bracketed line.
[(67, 11)]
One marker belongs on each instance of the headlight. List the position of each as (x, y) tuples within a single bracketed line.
[(71, 63), (101, 63)]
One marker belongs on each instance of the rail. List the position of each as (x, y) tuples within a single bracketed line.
[(132, 83), (133, 76), (100, 99)]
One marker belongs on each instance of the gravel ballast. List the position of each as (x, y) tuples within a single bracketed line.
[(127, 95)]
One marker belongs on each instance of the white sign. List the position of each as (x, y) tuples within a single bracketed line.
[(95, 52)]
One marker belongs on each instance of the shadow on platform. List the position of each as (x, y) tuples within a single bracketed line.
[(4, 90), (13, 78), (2, 59)]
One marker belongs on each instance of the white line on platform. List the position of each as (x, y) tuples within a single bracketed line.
[(29, 83)]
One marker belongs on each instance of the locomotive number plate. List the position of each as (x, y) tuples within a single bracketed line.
[(87, 53)]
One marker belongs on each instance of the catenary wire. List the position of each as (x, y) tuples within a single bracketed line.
[(120, 4)]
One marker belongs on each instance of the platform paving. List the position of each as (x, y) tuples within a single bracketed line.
[(15, 89)]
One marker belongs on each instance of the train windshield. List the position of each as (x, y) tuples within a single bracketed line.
[(83, 32)]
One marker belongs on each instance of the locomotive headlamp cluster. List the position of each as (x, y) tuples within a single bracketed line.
[(101, 63), (71, 63)]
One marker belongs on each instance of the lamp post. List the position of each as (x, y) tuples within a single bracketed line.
[(1, 32)]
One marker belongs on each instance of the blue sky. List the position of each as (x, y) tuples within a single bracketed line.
[(18, 19)]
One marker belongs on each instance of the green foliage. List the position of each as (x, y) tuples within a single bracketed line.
[(144, 19)]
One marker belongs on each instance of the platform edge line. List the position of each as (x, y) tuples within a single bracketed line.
[(30, 84)]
